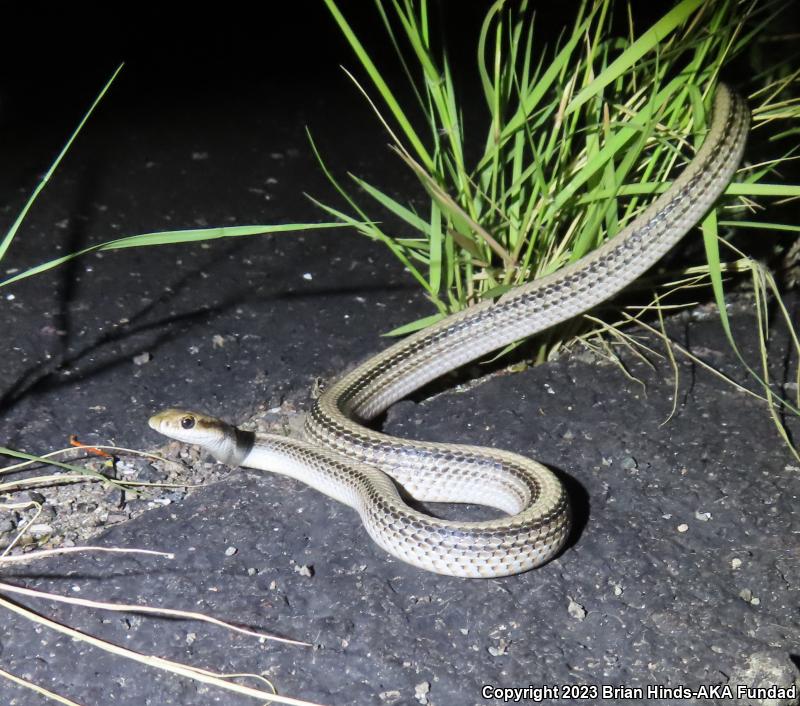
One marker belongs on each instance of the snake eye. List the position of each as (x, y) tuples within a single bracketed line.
[(187, 422)]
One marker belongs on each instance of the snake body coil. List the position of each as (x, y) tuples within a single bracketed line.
[(355, 465)]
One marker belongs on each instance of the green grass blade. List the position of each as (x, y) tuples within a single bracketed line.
[(9, 236), (435, 261), (649, 41), (381, 85), (711, 241), (390, 204), (786, 227), (415, 325), (169, 237), (66, 466)]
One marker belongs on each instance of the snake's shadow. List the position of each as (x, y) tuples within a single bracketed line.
[(579, 503)]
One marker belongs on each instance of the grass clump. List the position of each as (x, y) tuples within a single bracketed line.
[(578, 137)]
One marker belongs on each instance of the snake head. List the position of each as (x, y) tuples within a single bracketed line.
[(223, 441)]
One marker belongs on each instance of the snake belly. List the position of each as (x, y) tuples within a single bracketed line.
[(361, 467)]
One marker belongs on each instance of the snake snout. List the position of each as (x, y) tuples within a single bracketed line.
[(161, 421), (155, 422)]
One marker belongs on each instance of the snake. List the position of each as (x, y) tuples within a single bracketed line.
[(384, 478)]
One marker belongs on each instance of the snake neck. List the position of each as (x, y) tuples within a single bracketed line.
[(234, 447)]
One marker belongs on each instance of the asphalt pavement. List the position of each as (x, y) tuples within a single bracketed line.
[(682, 569)]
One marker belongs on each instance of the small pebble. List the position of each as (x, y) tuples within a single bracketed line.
[(500, 650), (142, 358), (40, 529), (576, 610)]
